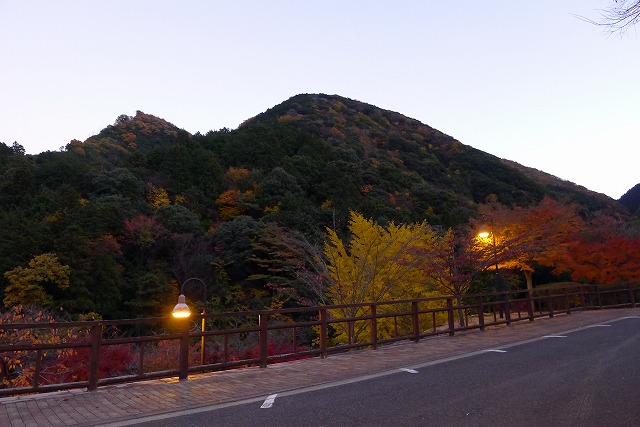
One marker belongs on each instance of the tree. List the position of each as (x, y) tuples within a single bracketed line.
[(178, 219), (377, 264), (153, 294), (620, 16), (17, 368), (144, 232), (26, 285), (231, 204), (605, 251), (295, 267), (17, 148), (451, 264), (524, 236), (157, 196), (96, 278)]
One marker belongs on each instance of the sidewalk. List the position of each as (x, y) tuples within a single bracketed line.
[(115, 404)]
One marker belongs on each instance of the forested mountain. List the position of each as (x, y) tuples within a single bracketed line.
[(631, 200), (144, 205)]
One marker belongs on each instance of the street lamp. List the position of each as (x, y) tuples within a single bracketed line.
[(181, 310), (484, 234)]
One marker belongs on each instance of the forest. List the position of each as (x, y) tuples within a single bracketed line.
[(318, 200)]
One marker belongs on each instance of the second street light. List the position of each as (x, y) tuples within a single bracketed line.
[(498, 282), (181, 310)]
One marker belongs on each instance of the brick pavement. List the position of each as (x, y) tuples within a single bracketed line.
[(116, 404)]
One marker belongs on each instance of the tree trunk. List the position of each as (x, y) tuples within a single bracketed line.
[(529, 276), (461, 320)]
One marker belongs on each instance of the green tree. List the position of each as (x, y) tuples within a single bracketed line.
[(154, 294), (27, 285)]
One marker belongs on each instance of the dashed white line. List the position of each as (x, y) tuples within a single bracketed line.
[(411, 371), (555, 336), (268, 403), (496, 351)]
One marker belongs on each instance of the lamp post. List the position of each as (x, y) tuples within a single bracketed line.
[(181, 310), (484, 234)]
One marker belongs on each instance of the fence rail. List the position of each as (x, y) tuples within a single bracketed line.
[(88, 356)]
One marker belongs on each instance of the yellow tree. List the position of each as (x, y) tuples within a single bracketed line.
[(158, 196), (377, 264), (230, 205), (26, 285)]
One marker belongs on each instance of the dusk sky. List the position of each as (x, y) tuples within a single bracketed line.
[(527, 81)]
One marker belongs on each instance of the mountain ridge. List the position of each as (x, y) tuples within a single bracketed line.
[(120, 134), (297, 107)]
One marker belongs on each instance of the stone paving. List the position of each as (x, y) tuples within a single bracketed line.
[(116, 404)]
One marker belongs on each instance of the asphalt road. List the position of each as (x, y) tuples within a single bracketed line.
[(588, 377)]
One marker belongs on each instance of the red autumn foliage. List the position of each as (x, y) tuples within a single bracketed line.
[(73, 366)]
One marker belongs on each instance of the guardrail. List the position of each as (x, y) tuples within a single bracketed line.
[(43, 357)]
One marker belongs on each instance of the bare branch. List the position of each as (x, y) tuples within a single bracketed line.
[(618, 18)]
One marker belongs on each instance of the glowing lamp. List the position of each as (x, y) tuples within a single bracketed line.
[(484, 232), (181, 310)]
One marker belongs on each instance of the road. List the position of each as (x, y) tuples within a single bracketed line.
[(588, 377)]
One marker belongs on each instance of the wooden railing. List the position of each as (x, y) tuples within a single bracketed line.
[(240, 339)]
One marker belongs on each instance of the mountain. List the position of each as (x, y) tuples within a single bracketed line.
[(396, 158), (143, 205), (631, 200), (565, 190)]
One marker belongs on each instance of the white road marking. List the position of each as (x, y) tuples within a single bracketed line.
[(601, 326), (555, 336), (411, 371), (631, 317), (496, 351), (268, 403)]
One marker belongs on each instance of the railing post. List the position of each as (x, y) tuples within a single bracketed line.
[(481, 312), (225, 342), (183, 362), (323, 332), (507, 308), (294, 339), (94, 356), (599, 296), (36, 374), (374, 326), (141, 349), (566, 300), (452, 325), (264, 336), (632, 297), (415, 321), (550, 302)]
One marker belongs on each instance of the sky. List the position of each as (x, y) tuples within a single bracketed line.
[(524, 80)]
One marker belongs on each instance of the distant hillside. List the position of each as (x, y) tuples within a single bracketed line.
[(565, 190), (396, 155), (631, 200), (128, 135)]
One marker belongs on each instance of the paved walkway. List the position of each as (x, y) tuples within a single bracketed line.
[(123, 404)]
